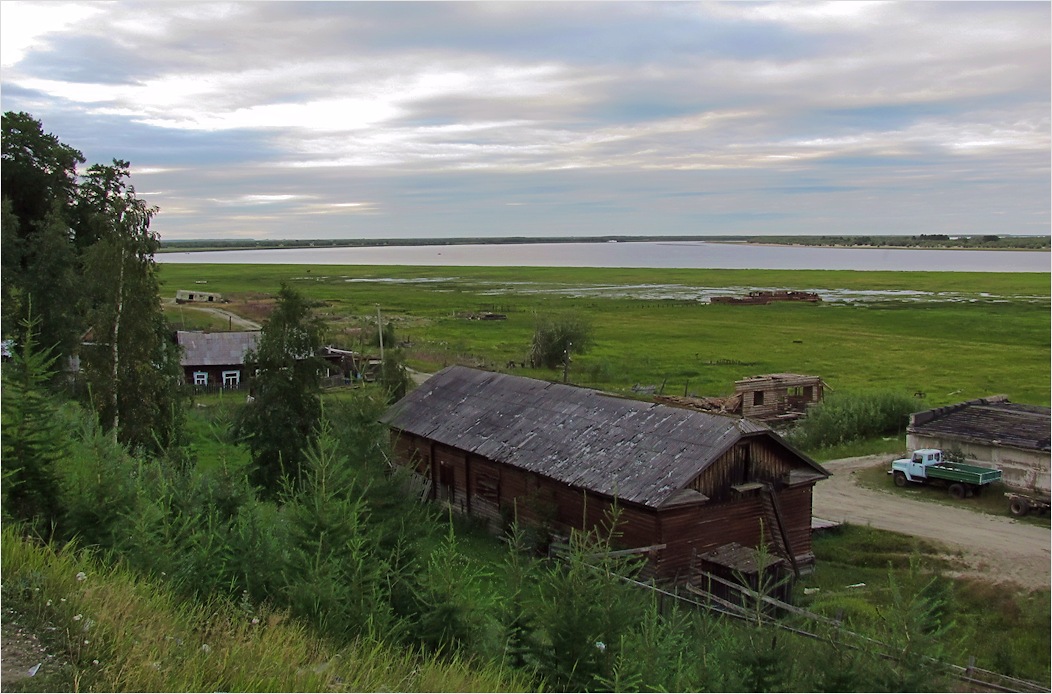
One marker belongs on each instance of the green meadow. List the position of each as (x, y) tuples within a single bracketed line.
[(948, 336)]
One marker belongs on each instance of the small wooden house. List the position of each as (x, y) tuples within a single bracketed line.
[(498, 446), (218, 359), (778, 396), (215, 359)]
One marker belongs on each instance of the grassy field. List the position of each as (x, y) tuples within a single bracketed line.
[(950, 336)]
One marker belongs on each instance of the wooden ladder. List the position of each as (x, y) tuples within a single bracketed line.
[(776, 527)]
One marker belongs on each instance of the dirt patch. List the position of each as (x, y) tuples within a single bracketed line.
[(22, 655), (992, 548)]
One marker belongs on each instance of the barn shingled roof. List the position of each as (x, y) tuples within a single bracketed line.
[(992, 420), (636, 451)]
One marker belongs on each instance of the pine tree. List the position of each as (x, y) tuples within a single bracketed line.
[(279, 425), (33, 438)]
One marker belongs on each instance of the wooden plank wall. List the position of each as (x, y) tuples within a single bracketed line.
[(755, 460), (496, 492)]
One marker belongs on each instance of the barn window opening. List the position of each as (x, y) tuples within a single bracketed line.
[(757, 397)]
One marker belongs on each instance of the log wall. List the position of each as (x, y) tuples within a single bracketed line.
[(499, 493)]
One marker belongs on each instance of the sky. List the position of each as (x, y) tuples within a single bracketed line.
[(319, 120)]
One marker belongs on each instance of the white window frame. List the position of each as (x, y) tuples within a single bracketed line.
[(231, 379), (200, 378)]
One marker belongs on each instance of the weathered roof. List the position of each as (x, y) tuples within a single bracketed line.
[(215, 349), (777, 381), (993, 420), (636, 451)]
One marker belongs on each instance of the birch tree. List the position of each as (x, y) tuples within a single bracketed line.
[(131, 364)]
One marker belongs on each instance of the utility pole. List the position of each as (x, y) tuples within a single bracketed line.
[(566, 361), (380, 330)]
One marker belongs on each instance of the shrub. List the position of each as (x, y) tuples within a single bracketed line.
[(556, 336), (845, 417)]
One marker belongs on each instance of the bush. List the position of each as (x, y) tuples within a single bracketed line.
[(846, 417), (556, 336)]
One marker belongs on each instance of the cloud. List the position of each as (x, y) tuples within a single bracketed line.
[(343, 119)]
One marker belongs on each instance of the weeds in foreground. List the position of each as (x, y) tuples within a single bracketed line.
[(122, 632)]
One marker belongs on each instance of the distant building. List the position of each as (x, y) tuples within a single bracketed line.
[(775, 396), (696, 491), (215, 359), (991, 431), (193, 296)]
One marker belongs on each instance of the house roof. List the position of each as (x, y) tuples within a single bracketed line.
[(215, 349), (993, 421), (636, 451)]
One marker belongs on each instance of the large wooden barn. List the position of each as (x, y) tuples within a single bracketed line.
[(695, 487)]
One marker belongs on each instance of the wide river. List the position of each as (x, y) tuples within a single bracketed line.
[(639, 254)]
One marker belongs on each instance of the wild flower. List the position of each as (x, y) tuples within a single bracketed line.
[(205, 648), (600, 646), (77, 617), (255, 620), (95, 661), (48, 603), (81, 576)]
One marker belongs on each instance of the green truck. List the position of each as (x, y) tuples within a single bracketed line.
[(926, 466)]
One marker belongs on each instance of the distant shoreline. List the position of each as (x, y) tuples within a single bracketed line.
[(935, 242)]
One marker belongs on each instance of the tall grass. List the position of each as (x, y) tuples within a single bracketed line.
[(846, 417), (123, 632)]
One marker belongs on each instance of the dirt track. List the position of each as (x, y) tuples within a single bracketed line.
[(994, 548)]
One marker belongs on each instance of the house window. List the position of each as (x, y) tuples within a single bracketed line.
[(200, 378), (231, 379)]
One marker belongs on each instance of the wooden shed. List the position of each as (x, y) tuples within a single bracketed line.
[(778, 396), (498, 446)]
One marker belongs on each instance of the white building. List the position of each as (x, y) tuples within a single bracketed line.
[(994, 432)]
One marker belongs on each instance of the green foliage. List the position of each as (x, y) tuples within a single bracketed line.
[(393, 375), (279, 424), (845, 417), (584, 610), (131, 366), (558, 336), (333, 576), (449, 607), (34, 441), (119, 631)]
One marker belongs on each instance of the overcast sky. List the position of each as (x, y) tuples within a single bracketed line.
[(391, 119)]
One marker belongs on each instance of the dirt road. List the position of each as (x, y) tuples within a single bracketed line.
[(994, 548), (233, 320)]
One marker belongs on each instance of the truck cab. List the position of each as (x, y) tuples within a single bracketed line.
[(915, 466)]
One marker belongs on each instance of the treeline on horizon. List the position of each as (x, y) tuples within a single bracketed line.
[(934, 241)]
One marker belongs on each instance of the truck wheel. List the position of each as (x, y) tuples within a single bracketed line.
[(900, 479), (1019, 507), (957, 491)]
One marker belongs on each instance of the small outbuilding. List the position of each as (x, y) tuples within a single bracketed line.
[(686, 483), (992, 431), (194, 296), (778, 396)]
